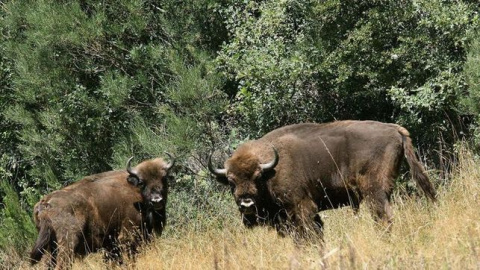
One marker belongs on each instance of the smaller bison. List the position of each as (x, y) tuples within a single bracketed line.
[(113, 210), (286, 177)]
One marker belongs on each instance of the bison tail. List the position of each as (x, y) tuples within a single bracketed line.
[(45, 238), (416, 169)]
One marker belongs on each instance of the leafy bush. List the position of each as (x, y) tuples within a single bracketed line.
[(393, 61), (16, 227), (471, 100)]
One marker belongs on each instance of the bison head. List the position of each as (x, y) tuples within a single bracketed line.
[(151, 177), (244, 173)]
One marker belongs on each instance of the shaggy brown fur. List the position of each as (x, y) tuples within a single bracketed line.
[(320, 166), (111, 210)]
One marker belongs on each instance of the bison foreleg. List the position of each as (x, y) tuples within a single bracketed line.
[(113, 251), (306, 221)]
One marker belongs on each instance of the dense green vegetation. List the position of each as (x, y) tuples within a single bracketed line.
[(86, 84)]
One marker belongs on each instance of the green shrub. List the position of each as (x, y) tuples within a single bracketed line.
[(393, 61), (17, 230)]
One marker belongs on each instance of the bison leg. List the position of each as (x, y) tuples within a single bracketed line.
[(66, 244), (129, 242), (376, 189), (51, 256), (306, 220), (379, 203), (113, 251), (68, 230)]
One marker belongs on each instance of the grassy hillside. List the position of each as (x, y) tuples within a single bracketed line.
[(445, 235)]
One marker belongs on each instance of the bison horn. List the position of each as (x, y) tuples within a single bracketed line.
[(129, 167), (172, 162), (217, 172), (272, 164)]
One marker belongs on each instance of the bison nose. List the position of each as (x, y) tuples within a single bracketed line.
[(246, 202), (156, 198)]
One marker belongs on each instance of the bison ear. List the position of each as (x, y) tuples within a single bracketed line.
[(133, 180), (133, 177), (222, 179)]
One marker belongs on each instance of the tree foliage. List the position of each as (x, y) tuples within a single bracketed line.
[(394, 61), (470, 100)]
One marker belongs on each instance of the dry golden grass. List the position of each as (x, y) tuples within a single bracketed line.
[(444, 235)]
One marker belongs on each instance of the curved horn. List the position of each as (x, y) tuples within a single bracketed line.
[(170, 165), (129, 168), (272, 164), (217, 172)]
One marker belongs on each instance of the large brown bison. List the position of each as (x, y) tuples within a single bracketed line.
[(286, 177), (114, 210)]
